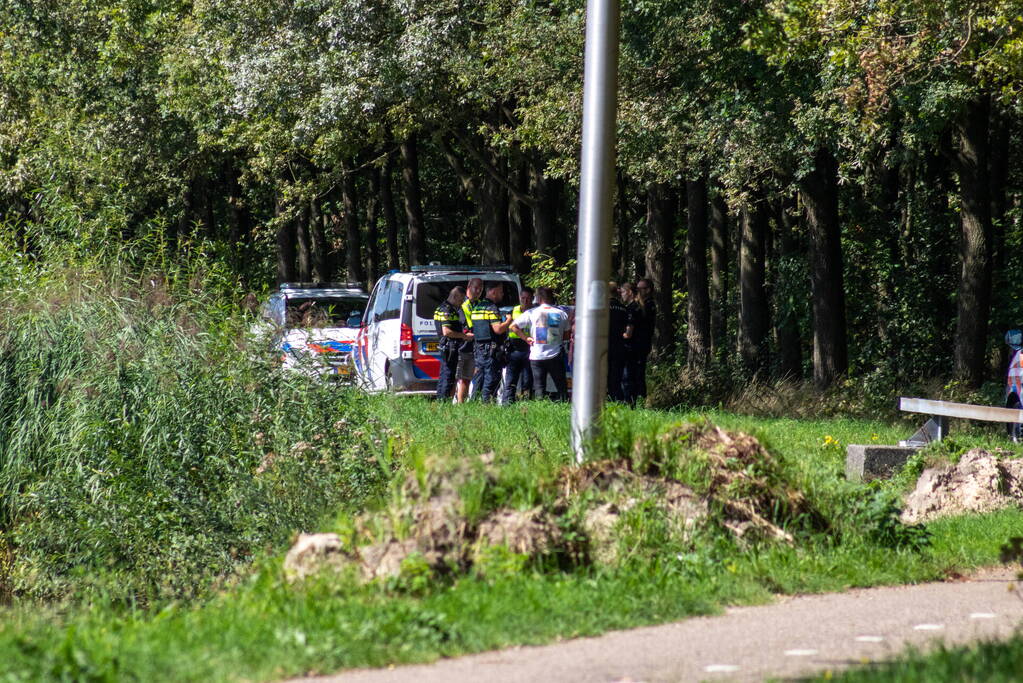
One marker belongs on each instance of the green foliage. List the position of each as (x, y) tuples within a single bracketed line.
[(497, 562), (876, 515), (547, 272), (148, 450)]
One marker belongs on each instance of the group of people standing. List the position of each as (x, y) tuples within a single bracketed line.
[(632, 316), (529, 345)]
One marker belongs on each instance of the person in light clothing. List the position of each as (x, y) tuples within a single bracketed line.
[(545, 328)]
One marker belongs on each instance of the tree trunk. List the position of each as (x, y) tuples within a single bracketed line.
[(353, 237), (887, 218), (970, 160), (786, 324), (719, 276), (390, 217), (492, 205), (238, 210), (543, 214), (413, 202), (372, 229), (698, 301), (321, 257), (819, 193), (660, 248), (753, 305), (304, 244), (206, 214), (998, 174), (519, 228), (285, 246)]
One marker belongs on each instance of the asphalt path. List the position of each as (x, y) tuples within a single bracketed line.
[(791, 637)]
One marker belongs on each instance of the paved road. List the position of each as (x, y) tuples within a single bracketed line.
[(794, 636)]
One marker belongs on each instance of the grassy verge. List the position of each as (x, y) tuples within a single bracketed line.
[(263, 627)]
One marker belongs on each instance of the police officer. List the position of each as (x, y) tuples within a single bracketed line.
[(644, 325), (450, 328), (466, 369), (488, 338), (618, 319), (517, 354)]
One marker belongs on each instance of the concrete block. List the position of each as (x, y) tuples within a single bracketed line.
[(863, 463)]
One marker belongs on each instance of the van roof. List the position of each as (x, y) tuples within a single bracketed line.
[(462, 269)]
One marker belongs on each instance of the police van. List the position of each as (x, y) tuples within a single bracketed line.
[(312, 327), (397, 348)]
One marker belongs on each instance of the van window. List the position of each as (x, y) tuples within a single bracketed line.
[(430, 294), (511, 292), (389, 301)]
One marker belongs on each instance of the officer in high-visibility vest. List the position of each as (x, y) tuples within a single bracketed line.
[(517, 354), (466, 369), (451, 330), (488, 339)]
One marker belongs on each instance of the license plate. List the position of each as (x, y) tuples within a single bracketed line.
[(431, 347), (343, 370)]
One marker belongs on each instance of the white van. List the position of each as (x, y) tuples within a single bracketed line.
[(397, 345)]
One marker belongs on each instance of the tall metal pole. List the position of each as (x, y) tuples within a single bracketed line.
[(600, 107)]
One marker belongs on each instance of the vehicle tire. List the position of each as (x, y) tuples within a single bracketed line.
[(1014, 429), (389, 379)]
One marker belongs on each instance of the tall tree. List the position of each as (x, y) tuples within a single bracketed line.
[(754, 314), (819, 194), (719, 259), (353, 236), (970, 160), (413, 201), (698, 299), (390, 218), (661, 218), (372, 227)]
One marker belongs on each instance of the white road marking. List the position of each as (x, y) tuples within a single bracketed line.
[(928, 627), (800, 653), (982, 615), (869, 639), (721, 668)]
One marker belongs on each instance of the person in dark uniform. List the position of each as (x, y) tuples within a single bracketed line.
[(517, 354), (618, 320), (642, 339), (450, 328), (488, 338)]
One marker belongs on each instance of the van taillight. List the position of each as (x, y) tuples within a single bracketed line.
[(405, 341)]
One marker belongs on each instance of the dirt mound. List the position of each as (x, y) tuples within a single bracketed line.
[(594, 512), (526, 532), (979, 482), (740, 479)]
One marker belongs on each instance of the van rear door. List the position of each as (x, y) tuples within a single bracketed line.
[(428, 295)]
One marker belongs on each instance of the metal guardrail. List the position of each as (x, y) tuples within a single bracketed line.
[(936, 426), (967, 411)]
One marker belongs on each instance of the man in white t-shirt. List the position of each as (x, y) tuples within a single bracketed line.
[(544, 328)]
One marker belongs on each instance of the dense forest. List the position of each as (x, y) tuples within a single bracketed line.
[(817, 188)]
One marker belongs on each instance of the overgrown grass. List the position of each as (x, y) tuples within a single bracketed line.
[(145, 451)]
